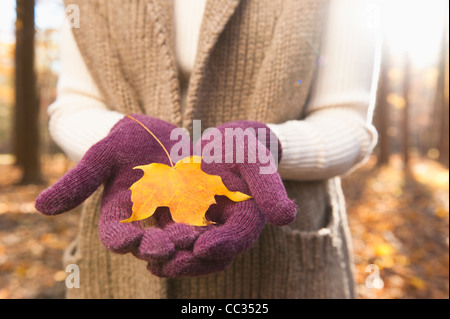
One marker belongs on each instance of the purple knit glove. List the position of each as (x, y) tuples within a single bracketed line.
[(238, 225), (110, 162)]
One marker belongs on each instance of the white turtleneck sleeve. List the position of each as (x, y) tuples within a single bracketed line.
[(79, 117), (335, 136)]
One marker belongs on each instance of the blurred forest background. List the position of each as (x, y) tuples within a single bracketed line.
[(398, 203)]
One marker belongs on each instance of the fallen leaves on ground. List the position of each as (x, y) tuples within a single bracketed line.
[(400, 222), (31, 246)]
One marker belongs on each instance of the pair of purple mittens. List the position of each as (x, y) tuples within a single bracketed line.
[(172, 249)]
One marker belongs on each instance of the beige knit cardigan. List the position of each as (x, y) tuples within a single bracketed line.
[(248, 59)]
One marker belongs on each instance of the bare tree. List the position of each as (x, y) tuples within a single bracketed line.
[(382, 111), (26, 129), (441, 101), (405, 120)]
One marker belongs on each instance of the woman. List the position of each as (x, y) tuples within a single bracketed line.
[(302, 69)]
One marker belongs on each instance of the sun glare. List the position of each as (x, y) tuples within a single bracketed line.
[(414, 27)]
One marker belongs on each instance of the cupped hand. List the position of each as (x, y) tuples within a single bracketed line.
[(110, 162), (237, 225)]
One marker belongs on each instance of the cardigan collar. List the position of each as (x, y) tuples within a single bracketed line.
[(216, 15)]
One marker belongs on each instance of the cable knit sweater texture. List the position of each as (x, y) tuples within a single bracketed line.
[(306, 67)]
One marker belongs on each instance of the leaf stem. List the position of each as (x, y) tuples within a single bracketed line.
[(154, 136)]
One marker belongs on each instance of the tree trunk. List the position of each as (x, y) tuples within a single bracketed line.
[(405, 120), (441, 102), (26, 130), (382, 111)]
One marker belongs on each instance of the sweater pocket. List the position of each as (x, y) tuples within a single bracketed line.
[(319, 260)]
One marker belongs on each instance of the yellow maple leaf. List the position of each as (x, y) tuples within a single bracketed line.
[(184, 188)]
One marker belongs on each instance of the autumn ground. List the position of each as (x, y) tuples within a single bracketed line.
[(399, 222)]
